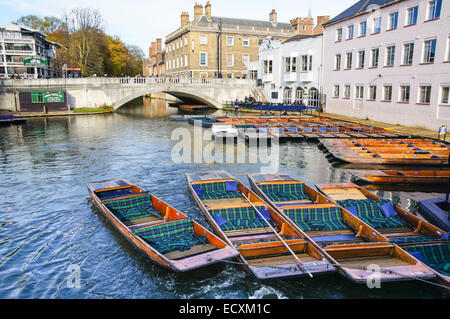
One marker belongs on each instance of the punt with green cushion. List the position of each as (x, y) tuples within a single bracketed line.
[(216, 190), (284, 192), (413, 239), (317, 219), (171, 236), (131, 208), (435, 256), (369, 211), (238, 218)]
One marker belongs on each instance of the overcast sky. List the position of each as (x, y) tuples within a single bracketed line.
[(141, 21)]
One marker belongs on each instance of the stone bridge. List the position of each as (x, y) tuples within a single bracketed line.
[(115, 92)]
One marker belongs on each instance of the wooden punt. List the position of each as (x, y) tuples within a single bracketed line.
[(150, 224), (350, 243), (193, 108), (261, 251), (399, 177), (408, 230), (436, 210)]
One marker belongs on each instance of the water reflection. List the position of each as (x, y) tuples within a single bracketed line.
[(47, 222)]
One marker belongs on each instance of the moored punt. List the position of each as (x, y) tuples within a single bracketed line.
[(398, 177), (349, 242), (163, 234), (436, 210), (193, 108), (269, 246), (388, 151), (11, 119), (398, 225)]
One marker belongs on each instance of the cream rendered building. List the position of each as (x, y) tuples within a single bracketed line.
[(208, 46)]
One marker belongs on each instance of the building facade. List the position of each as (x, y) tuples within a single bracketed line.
[(155, 64), (208, 46), (26, 53), (389, 61)]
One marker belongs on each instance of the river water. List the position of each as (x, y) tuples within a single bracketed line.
[(49, 227)]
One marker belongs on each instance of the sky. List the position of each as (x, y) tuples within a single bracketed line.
[(140, 22)]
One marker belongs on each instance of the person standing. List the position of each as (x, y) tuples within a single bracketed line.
[(236, 107)]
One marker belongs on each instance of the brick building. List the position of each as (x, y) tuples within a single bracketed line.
[(155, 64), (210, 45)]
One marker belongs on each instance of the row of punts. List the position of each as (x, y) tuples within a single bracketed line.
[(11, 119), (279, 228)]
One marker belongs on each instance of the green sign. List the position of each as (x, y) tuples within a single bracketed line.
[(35, 61), (53, 97)]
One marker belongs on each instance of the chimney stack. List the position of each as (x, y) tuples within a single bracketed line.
[(184, 18), (158, 45), (198, 10), (208, 9), (153, 48), (318, 29), (273, 17)]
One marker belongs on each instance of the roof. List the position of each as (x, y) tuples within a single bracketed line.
[(16, 27), (246, 22), (358, 8), (300, 37)]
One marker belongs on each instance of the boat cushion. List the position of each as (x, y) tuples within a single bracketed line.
[(231, 186), (413, 239), (239, 218), (435, 256), (131, 208), (284, 192), (315, 219), (219, 220), (352, 209), (265, 213), (171, 236), (418, 255), (369, 211), (388, 210), (216, 190)]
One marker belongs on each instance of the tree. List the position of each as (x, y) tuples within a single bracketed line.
[(46, 25), (135, 62)]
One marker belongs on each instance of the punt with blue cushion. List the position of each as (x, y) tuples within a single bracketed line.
[(237, 218), (317, 219), (284, 192), (370, 212), (217, 190), (131, 208), (171, 236), (435, 256)]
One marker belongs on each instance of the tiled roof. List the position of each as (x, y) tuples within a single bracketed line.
[(359, 7), (300, 37), (246, 22)]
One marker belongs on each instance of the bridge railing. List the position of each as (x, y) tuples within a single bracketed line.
[(190, 81)]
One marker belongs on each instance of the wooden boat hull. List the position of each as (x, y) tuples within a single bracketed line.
[(182, 265), (431, 210), (272, 267), (352, 260), (398, 177)]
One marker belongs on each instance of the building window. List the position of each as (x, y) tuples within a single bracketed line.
[(377, 25), (299, 96), (347, 91), (390, 55), (336, 91), (203, 58), (348, 64), (434, 9), (350, 32), (408, 53), (412, 15), (425, 94), (186, 60), (230, 59), (375, 56), (393, 20), (372, 92), (359, 92), (387, 93), (444, 94), (361, 57), (230, 41), (244, 59), (203, 40), (245, 42), (339, 34), (287, 64), (338, 60), (404, 93), (37, 97), (267, 66), (294, 64), (287, 95), (307, 63), (185, 41), (362, 28), (429, 51)]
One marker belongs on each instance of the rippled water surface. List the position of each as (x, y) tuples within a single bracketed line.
[(47, 222)]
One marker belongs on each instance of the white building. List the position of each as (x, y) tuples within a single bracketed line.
[(290, 71), (390, 62), (18, 44)]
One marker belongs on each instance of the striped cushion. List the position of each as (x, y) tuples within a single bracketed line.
[(369, 211), (315, 219), (436, 256), (167, 237), (284, 192), (215, 191), (131, 208), (240, 218), (413, 239)]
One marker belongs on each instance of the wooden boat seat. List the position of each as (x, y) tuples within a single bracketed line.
[(194, 250), (394, 230), (277, 261), (214, 202), (144, 220), (252, 231), (337, 232)]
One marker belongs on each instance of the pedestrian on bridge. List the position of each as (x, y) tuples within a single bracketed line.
[(236, 107)]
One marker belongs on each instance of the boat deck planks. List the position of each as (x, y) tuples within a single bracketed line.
[(194, 250)]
